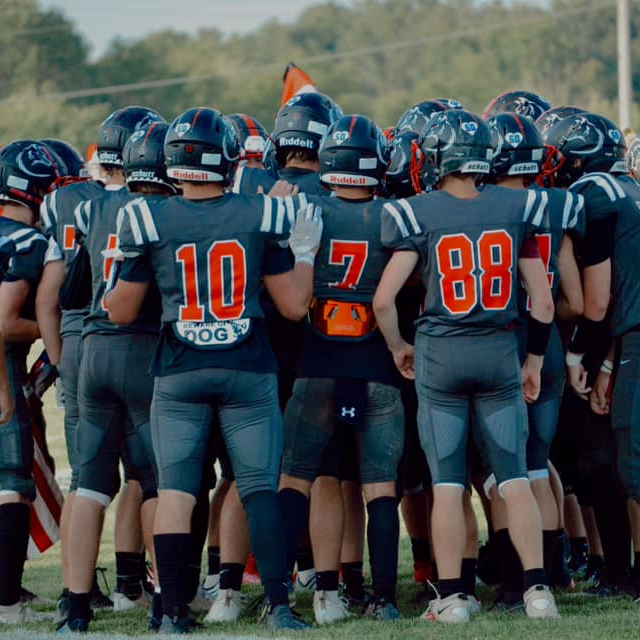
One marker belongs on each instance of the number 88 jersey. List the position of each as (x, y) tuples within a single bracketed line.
[(208, 258), (469, 250)]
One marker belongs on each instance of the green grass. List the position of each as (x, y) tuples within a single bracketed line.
[(582, 616)]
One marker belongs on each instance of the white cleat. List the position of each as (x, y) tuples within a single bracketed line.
[(453, 609), (227, 607), (540, 603), (18, 613), (124, 603), (329, 607), (305, 580), (210, 586)]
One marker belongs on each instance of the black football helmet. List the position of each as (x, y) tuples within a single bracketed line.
[(143, 156), (416, 117), (454, 141), (302, 122), (201, 145), (633, 156), (398, 176), (251, 135), (27, 170), (353, 153), (549, 118), (70, 156), (580, 144), (117, 128), (517, 144), (524, 103)]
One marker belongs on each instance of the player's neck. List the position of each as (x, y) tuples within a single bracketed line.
[(114, 178), (512, 182), (18, 212), (353, 193), (202, 191), (460, 187)]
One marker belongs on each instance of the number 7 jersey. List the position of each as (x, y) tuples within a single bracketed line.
[(469, 251)]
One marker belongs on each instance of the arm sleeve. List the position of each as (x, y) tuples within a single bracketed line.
[(28, 264), (276, 260), (136, 269)]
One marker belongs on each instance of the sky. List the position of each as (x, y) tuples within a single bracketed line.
[(100, 22)]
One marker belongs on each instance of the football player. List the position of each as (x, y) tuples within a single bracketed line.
[(345, 377), (27, 168), (209, 251), (114, 390), (589, 157), (518, 159), (57, 221), (471, 245)]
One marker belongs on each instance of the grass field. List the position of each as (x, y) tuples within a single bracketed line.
[(582, 616)]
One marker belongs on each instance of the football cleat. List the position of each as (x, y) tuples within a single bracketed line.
[(121, 602), (383, 611), (540, 603), (19, 613), (305, 580), (329, 607), (281, 618), (227, 607), (210, 586), (453, 609)]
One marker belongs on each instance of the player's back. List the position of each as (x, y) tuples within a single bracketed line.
[(469, 250)]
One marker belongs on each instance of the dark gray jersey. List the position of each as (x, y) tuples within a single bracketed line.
[(57, 220), (469, 251), (249, 179), (97, 225), (208, 257), (565, 214)]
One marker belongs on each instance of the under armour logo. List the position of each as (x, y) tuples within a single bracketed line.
[(348, 412)]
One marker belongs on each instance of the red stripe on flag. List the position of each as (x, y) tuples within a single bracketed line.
[(46, 493), (39, 536)]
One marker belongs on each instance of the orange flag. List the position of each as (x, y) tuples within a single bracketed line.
[(295, 81)]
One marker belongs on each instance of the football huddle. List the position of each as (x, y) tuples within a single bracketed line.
[(273, 344)]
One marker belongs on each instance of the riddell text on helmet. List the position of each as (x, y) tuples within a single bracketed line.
[(294, 141)]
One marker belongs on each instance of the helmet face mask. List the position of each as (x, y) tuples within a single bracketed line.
[(252, 136), (398, 177)]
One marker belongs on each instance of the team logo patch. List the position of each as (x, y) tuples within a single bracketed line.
[(137, 135), (514, 139), (293, 101), (340, 136), (615, 135), (182, 128), (470, 127), (35, 162)]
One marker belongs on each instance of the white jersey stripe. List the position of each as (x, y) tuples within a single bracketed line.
[(267, 214), (411, 216), (135, 226), (237, 180), (542, 208), (147, 220), (531, 199), (397, 216)]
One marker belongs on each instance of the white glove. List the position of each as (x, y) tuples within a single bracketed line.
[(306, 233)]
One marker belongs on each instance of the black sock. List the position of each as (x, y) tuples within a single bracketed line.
[(579, 549), (294, 507), (231, 576), (304, 558), (156, 608), (548, 552), (128, 574), (450, 586), (267, 534), (199, 529), (383, 532), (327, 580), (469, 573), (79, 606), (560, 575), (511, 566), (172, 558), (532, 577), (353, 579), (213, 555), (421, 550), (14, 540)]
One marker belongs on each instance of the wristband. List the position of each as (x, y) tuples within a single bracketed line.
[(573, 359), (587, 334), (607, 367), (538, 336)]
